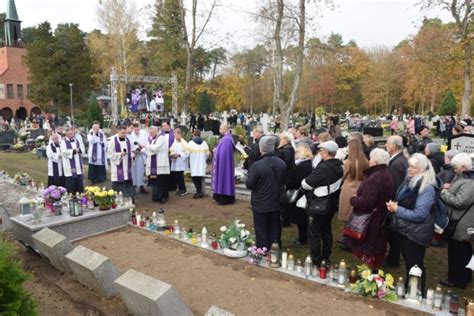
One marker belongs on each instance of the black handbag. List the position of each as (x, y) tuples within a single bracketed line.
[(452, 224), (318, 205)]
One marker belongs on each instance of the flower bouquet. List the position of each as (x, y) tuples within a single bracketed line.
[(22, 179), (235, 239), (52, 196), (105, 199), (377, 285), (256, 254)]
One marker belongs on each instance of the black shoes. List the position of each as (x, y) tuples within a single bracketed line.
[(198, 195), (142, 190), (447, 283)]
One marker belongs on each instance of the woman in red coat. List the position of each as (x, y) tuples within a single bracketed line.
[(371, 196)]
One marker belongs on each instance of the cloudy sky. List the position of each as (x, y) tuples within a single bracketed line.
[(368, 22)]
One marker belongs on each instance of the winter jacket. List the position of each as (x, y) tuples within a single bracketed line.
[(459, 198), (397, 167), (372, 195), (264, 179), (287, 154), (254, 155), (414, 213), (437, 160), (447, 174), (326, 173)]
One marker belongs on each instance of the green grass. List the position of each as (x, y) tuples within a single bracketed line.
[(435, 260)]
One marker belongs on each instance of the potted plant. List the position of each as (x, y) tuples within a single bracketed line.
[(105, 199), (235, 240)]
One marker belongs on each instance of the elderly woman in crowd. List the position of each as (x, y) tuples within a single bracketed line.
[(459, 198), (446, 175), (412, 213), (372, 195), (303, 168)]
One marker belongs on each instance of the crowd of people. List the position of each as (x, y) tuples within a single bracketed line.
[(308, 179), (157, 157)]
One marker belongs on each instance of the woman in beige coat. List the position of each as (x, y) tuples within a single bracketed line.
[(354, 167)]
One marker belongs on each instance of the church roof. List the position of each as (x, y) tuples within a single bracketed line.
[(11, 11)]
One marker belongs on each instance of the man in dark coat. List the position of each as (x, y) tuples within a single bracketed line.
[(397, 168), (328, 173), (422, 139), (447, 173), (254, 149), (433, 152), (264, 179)]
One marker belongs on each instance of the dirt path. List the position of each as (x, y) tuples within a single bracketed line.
[(204, 279)]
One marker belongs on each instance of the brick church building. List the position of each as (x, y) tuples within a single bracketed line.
[(14, 84)]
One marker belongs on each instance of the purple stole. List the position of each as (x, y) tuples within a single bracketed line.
[(94, 149), (55, 165), (72, 161), (118, 149), (170, 138), (153, 158)]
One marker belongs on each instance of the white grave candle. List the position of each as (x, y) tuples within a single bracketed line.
[(284, 259)]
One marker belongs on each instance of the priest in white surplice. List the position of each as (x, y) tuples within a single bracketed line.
[(55, 164), (158, 165), (138, 136), (96, 154), (119, 152), (71, 151), (198, 151)]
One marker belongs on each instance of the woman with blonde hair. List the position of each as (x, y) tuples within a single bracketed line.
[(303, 158), (411, 213), (354, 167)]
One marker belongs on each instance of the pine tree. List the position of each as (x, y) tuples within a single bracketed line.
[(448, 105), (94, 113), (204, 102), (166, 48)]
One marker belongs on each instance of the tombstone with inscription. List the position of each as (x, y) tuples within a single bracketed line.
[(225, 116), (184, 118), (462, 143)]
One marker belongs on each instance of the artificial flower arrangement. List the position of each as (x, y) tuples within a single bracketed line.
[(256, 254), (53, 193), (377, 285), (104, 198), (235, 237), (20, 146), (22, 179)]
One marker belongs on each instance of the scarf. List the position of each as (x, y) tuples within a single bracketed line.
[(152, 157), (118, 149), (94, 149), (55, 164), (72, 161)]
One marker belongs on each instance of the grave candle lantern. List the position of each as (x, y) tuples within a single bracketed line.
[(322, 270), (308, 266), (400, 288), (160, 220), (353, 277), (454, 304), (204, 243), (284, 259), (438, 298), (342, 274), (414, 284), (176, 228), (275, 256), (291, 262), (75, 207)]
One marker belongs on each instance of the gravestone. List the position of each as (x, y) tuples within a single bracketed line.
[(374, 131), (145, 295), (34, 133), (184, 118), (53, 246), (217, 311), (93, 270), (225, 117), (4, 218), (6, 139), (265, 121), (212, 125), (462, 143)]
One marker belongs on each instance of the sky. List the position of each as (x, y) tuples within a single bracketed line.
[(371, 23)]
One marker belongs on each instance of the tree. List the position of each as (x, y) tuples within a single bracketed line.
[(204, 102), (166, 47), (14, 299), (191, 40), (448, 106), (94, 113), (54, 61), (463, 14)]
